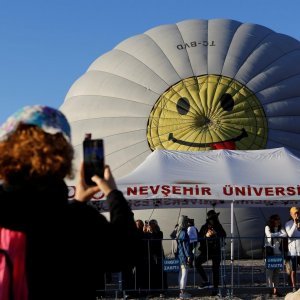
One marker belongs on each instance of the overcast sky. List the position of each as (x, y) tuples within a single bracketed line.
[(46, 45)]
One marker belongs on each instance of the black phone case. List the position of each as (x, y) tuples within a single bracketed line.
[(93, 159)]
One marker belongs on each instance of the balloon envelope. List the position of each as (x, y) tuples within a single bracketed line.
[(193, 86)]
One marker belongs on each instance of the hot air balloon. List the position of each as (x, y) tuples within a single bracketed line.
[(195, 85)]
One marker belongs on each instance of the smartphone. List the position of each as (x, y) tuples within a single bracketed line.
[(93, 159)]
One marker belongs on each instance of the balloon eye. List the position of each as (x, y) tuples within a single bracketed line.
[(227, 102), (183, 106)]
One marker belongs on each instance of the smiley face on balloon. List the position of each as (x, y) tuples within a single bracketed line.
[(207, 112)]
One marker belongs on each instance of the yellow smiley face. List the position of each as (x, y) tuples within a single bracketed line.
[(207, 112)]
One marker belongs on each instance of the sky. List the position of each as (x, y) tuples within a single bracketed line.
[(46, 45)]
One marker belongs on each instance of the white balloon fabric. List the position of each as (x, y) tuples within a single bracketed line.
[(192, 86), (122, 95)]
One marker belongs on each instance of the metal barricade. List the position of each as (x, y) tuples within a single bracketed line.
[(240, 272)]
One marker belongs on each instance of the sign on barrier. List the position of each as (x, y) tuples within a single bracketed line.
[(274, 262), (171, 265)]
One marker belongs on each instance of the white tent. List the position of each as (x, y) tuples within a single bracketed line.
[(269, 166), (219, 177)]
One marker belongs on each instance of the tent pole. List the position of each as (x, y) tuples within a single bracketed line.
[(231, 244)]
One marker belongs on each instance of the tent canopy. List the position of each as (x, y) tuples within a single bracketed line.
[(168, 179), (259, 167)]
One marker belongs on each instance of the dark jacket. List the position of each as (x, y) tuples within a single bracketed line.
[(212, 244), (69, 245)]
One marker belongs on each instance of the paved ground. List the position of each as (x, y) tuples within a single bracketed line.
[(251, 295), (248, 280)]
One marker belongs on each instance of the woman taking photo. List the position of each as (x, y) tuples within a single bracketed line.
[(66, 246)]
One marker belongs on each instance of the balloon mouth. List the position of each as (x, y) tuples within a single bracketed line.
[(227, 144)]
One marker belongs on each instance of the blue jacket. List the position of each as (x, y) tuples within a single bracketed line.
[(183, 249)]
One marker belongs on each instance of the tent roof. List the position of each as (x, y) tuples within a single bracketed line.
[(269, 166)]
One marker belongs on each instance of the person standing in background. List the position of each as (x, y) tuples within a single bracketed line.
[(193, 236), (158, 277), (274, 234), (211, 238), (141, 272), (184, 255), (292, 228)]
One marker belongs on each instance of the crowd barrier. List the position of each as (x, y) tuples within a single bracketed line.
[(157, 273)]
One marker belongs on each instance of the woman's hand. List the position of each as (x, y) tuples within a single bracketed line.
[(84, 192), (210, 232), (106, 184)]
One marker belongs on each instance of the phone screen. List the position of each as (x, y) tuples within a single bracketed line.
[(93, 159)]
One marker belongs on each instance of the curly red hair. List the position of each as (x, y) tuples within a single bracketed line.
[(29, 153)]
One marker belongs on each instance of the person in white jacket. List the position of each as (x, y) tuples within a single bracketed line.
[(274, 234), (193, 235), (292, 229)]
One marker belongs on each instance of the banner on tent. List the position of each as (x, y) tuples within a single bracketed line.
[(199, 195)]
